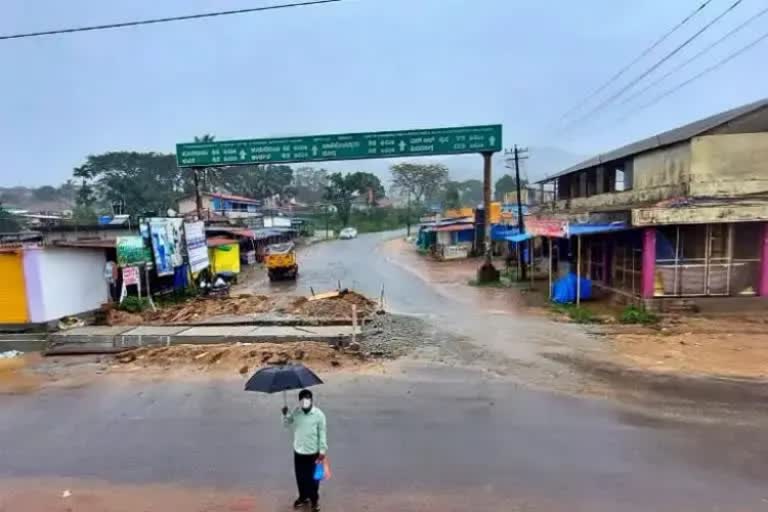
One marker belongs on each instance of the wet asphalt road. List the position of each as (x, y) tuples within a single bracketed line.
[(364, 265), (401, 441), (422, 436)]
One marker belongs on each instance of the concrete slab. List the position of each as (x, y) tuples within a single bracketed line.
[(279, 332), (97, 330), (219, 331), (330, 330), (155, 330)]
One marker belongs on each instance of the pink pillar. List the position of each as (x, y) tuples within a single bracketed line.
[(762, 288), (649, 262)]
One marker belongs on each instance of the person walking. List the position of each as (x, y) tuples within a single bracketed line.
[(310, 444)]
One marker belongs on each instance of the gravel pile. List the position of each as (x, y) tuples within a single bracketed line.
[(392, 336)]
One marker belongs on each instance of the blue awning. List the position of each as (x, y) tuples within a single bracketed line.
[(522, 237), (501, 231), (595, 229)]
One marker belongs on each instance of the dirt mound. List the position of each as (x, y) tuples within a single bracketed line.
[(194, 310), (199, 309), (241, 358), (118, 317), (339, 306)]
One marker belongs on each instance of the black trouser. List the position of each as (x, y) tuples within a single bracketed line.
[(304, 465)]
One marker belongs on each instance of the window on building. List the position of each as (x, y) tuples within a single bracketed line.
[(714, 259), (622, 178), (619, 182)]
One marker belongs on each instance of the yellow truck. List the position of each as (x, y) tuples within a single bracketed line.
[(281, 261)]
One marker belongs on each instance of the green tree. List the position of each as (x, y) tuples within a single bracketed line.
[(341, 189), (212, 179), (68, 191), (143, 182), (506, 185), (8, 222), (471, 192), (84, 215), (309, 184), (85, 195), (261, 181), (369, 185), (419, 181), (46, 193), (451, 195)]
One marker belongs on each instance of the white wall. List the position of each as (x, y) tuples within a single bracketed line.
[(71, 282)]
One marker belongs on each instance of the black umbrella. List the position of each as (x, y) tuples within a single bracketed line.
[(272, 379)]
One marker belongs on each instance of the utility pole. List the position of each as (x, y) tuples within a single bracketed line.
[(517, 155)]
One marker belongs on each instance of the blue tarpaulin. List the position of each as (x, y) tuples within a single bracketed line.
[(564, 289)]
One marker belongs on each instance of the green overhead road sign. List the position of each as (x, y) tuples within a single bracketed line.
[(347, 146)]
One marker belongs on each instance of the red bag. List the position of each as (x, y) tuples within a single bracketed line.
[(326, 470)]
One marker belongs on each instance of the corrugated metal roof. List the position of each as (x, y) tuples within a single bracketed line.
[(232, 197), (218, 241), (242, 232), (454, 227), (107, 243), (667, 138)]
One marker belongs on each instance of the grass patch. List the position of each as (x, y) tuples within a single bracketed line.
[(578, 314), (637, 315), (133, 304)]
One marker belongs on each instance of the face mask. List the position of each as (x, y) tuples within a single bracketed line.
[(306, 403)]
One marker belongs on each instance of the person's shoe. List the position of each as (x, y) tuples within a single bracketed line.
[(315, 507), (299, 503)]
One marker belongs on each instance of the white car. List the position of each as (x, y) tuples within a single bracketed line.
[(348, 234)]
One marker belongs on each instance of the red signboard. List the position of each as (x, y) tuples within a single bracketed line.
[(547, 227)]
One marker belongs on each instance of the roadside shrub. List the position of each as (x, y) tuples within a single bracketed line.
[(581, 315), (637, 315), (576, 313), (133, 304)]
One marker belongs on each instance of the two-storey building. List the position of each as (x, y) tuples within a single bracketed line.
[(682, 214)]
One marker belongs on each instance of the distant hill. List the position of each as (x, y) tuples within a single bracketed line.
[(541, 162), (40, 199)]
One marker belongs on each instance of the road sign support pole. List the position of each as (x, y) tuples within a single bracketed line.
[(198, 197), (487, 272)]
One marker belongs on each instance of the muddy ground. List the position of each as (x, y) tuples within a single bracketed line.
[(731, 346)]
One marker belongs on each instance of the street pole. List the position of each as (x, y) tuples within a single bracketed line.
[(198, 197), (520, 224), (487, 207), (408, 215), (487, 272), (326, 221)]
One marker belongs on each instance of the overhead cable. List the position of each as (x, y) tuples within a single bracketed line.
[(656, 65), (634, 61), (694, 57), (163, 20), (706, 71)]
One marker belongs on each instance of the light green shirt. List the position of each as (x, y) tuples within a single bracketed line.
[(309, 430)]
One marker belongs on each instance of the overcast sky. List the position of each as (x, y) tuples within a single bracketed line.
[(357, 65)]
